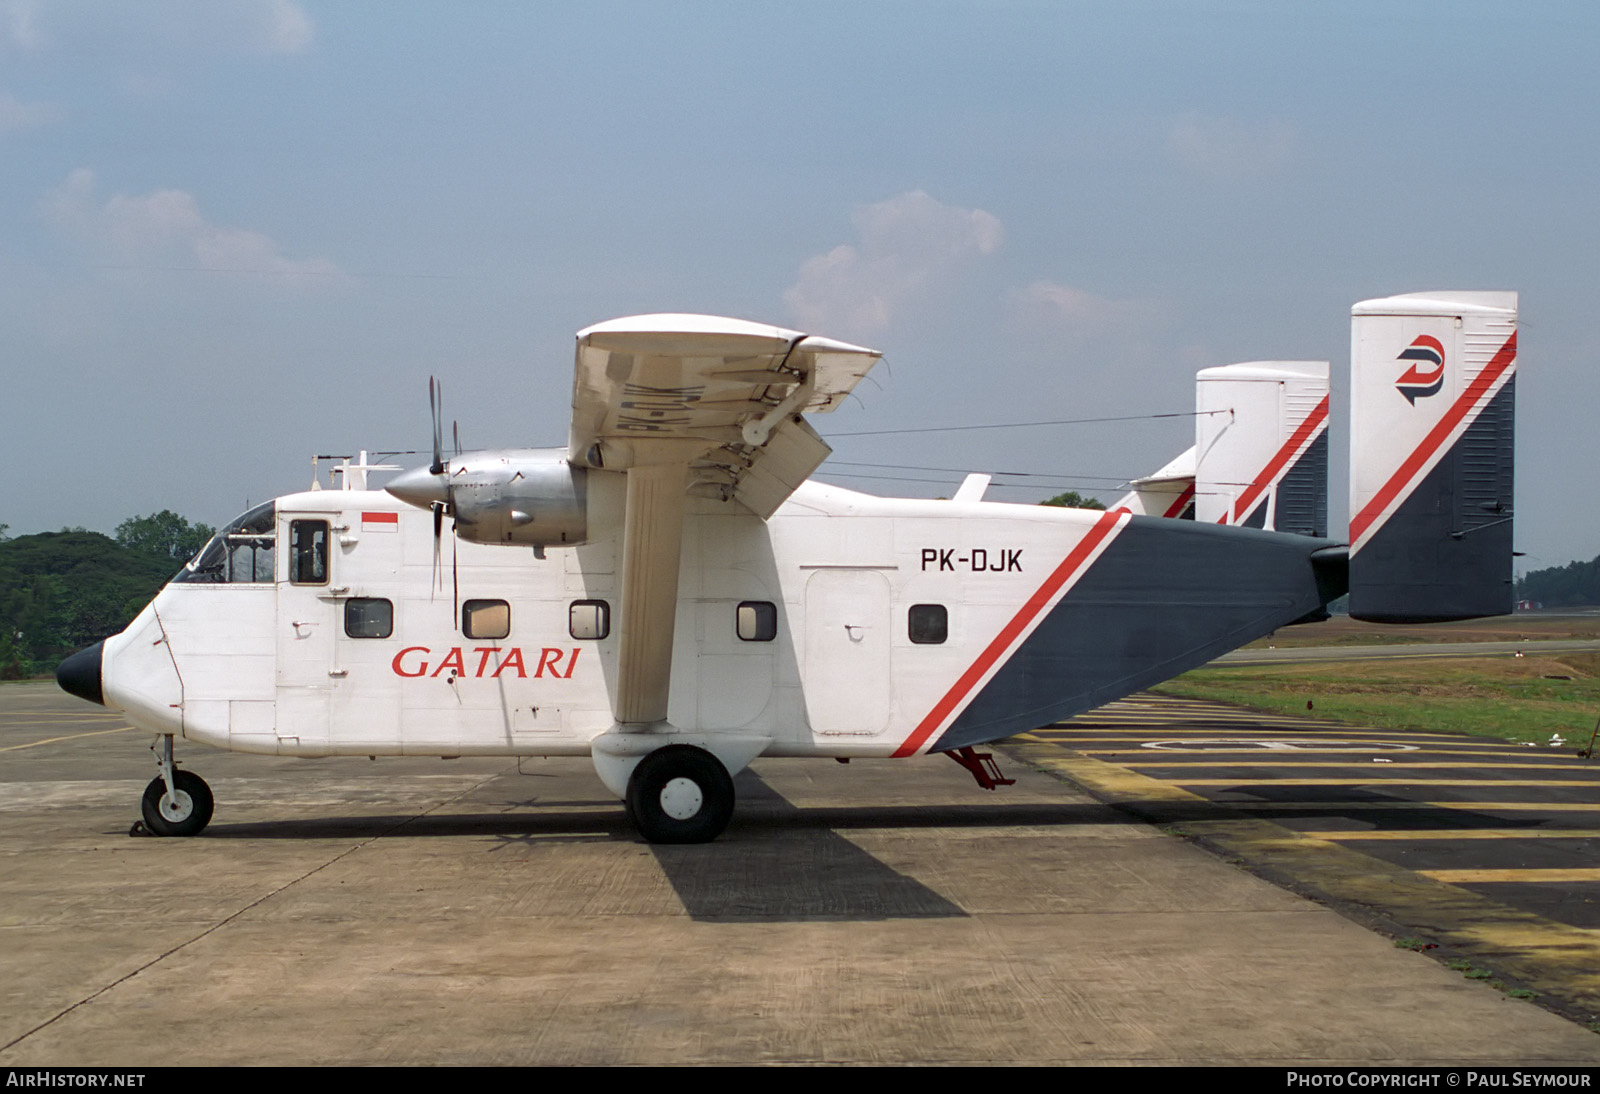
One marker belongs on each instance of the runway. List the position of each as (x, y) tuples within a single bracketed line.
[(467, 912), (1485, 848)]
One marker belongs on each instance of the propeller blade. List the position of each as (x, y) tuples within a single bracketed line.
[(435, 406), (438, 527), (455, 427)]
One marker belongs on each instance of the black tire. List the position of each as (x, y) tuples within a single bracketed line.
[(680, 794), (193, 810)]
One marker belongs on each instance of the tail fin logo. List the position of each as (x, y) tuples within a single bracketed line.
[(1420, 380)]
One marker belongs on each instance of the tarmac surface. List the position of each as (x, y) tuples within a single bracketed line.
[(1484, 850), (465, 912)]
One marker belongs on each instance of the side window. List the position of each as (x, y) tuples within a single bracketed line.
[(368, 617), (486, 619), (757, 621), (929, 624), (308, 552), (589, 619)]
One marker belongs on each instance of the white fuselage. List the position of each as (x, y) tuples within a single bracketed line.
[(273, 666)]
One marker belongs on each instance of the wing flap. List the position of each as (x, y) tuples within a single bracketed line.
[(677, 388)]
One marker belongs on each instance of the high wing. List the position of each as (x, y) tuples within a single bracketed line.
[(722, 397), (693, 404)]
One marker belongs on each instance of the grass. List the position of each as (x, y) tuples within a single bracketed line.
[(1510, 698), (1341, 630)]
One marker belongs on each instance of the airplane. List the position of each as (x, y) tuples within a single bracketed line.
[(672, 595)]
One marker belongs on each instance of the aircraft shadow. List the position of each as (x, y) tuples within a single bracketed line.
[(776, 863)]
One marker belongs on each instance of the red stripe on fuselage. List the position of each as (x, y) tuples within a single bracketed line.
[(1183, 500), (1069, 568), (1436, 437), (1296, 441)]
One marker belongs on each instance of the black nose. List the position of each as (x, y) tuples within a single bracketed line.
[(80, 674)]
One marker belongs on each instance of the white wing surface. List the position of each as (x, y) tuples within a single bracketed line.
[(722, 396)]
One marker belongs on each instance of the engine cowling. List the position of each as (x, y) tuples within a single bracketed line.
[(524, 497)]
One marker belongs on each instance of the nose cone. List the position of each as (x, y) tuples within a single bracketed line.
[(419, 487), (80, 674)]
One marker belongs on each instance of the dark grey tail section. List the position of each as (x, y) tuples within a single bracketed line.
[(1165, 597), (1303, 493), (1446, 552)]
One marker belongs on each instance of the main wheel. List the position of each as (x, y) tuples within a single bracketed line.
[(185, 813), (680, 794)]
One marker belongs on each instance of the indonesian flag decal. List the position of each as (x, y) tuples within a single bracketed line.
[(1426, 376)]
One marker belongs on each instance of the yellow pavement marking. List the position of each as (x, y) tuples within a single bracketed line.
[(1246, 750), (1409, 834), (1549, 957), (1277, 759), (1177, 733), (1477, 877), (53, 719), (1463, 806), (1378, 778), (68, 737)]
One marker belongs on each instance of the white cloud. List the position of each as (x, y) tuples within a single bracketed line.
[(1227, 149), (285, 26), (1078, 309), (907, 249), (166, 229), (16, 115), (214, 26), (19, 24)]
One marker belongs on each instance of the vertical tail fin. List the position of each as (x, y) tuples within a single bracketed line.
[(1432, 393), (1261, 443)]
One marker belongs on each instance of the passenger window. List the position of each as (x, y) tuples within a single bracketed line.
[(757, 621), (368, 617), (486, 619), (589, 619), (308, 552), (929, 624)]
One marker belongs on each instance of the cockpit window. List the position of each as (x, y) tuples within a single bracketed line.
[(239, 554)]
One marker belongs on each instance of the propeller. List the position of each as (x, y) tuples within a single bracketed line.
[(435, 405), (430, 488), (436, 470)]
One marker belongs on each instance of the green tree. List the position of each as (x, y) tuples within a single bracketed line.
[(164, 534), (61, 591), (1073, 500)]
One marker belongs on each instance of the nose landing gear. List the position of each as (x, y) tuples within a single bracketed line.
[(176, 803)]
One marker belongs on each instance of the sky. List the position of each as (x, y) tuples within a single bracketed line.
[(238, 233)]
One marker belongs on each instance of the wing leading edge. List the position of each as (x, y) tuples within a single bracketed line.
[(722, 397)]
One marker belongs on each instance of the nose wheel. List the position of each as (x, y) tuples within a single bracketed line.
[(176, 803)]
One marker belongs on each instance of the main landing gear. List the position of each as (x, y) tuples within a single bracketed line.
[(680, 794), (176, 803)]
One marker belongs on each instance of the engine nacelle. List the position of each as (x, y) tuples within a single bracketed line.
[(532, 497), (529, 497)]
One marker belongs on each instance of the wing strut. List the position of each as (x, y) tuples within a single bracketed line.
[(652, 541)]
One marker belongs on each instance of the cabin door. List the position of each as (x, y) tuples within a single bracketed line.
[(847, 653), (307, 621)]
